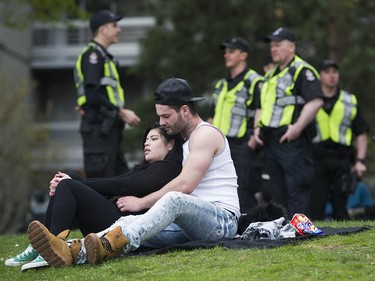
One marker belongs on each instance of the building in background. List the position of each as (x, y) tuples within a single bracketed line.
[(46, 53), (54, 52)]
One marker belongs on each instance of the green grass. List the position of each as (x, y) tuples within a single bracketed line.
[(339, 257)]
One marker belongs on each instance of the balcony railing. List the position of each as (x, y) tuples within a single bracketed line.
[(57, 46)]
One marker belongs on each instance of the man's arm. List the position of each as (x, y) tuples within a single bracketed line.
[(254, 139), (361, 147), (308, 113), (204, 144), (128, 116)]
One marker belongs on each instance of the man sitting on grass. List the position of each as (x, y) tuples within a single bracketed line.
[(202, 201)]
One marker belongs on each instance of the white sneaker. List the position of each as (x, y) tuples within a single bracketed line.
[(26, 256), (355, 213), (38, 262)]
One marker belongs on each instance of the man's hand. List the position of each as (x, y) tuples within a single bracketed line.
[(130, 204), (256, 136), (359, 168), (79, 110), (291, 134), (252, 143), (129, 116), (308, 113)]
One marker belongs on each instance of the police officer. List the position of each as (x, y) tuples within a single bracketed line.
[(267, 63), (340, 125), (233, 110), (101, 100), (290, 98)]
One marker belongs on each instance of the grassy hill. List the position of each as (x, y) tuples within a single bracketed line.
[(338, 257)]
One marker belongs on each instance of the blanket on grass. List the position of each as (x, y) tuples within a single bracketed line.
[(239, 244)]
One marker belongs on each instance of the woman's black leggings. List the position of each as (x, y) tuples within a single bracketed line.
[(76, 202)]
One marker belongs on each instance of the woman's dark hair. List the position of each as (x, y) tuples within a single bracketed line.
[(174, 155)]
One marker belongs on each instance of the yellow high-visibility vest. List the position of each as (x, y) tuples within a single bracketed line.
[(277, 99), (232, 107), (110, 80), (336, 126)]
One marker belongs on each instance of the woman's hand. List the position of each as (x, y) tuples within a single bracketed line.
[(59, 176)]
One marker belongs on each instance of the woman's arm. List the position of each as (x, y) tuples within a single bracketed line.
[(139, 184)]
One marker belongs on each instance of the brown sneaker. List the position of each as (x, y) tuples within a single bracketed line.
[(52, 248), (99, 249)]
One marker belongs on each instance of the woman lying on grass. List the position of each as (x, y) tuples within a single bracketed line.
[(94, 204)]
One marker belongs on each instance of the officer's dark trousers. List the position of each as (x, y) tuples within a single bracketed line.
[(248, 169), (288, 174), (329, 186), (103, 156)]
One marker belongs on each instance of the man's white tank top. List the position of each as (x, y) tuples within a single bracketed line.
[(219, 184)]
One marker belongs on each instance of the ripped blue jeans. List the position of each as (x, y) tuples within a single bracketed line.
[(196, 218), (174, 219)]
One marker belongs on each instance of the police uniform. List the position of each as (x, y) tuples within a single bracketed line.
[(288, 169), (233, 109), (100, 95), (338, 122)]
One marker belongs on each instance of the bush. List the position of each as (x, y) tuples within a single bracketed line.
[(15, 143)]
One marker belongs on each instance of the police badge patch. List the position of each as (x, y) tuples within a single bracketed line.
[(93, 59), (309, 75)]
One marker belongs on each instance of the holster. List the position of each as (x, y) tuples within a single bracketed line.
[(108, 120), (349, 182), (88, 119)]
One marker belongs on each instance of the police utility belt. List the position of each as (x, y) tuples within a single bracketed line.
[(103, 117), (236, 140), (337, 151), (268, 134)]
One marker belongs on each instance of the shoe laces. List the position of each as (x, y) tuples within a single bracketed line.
[(28, 251), (106, 245)]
